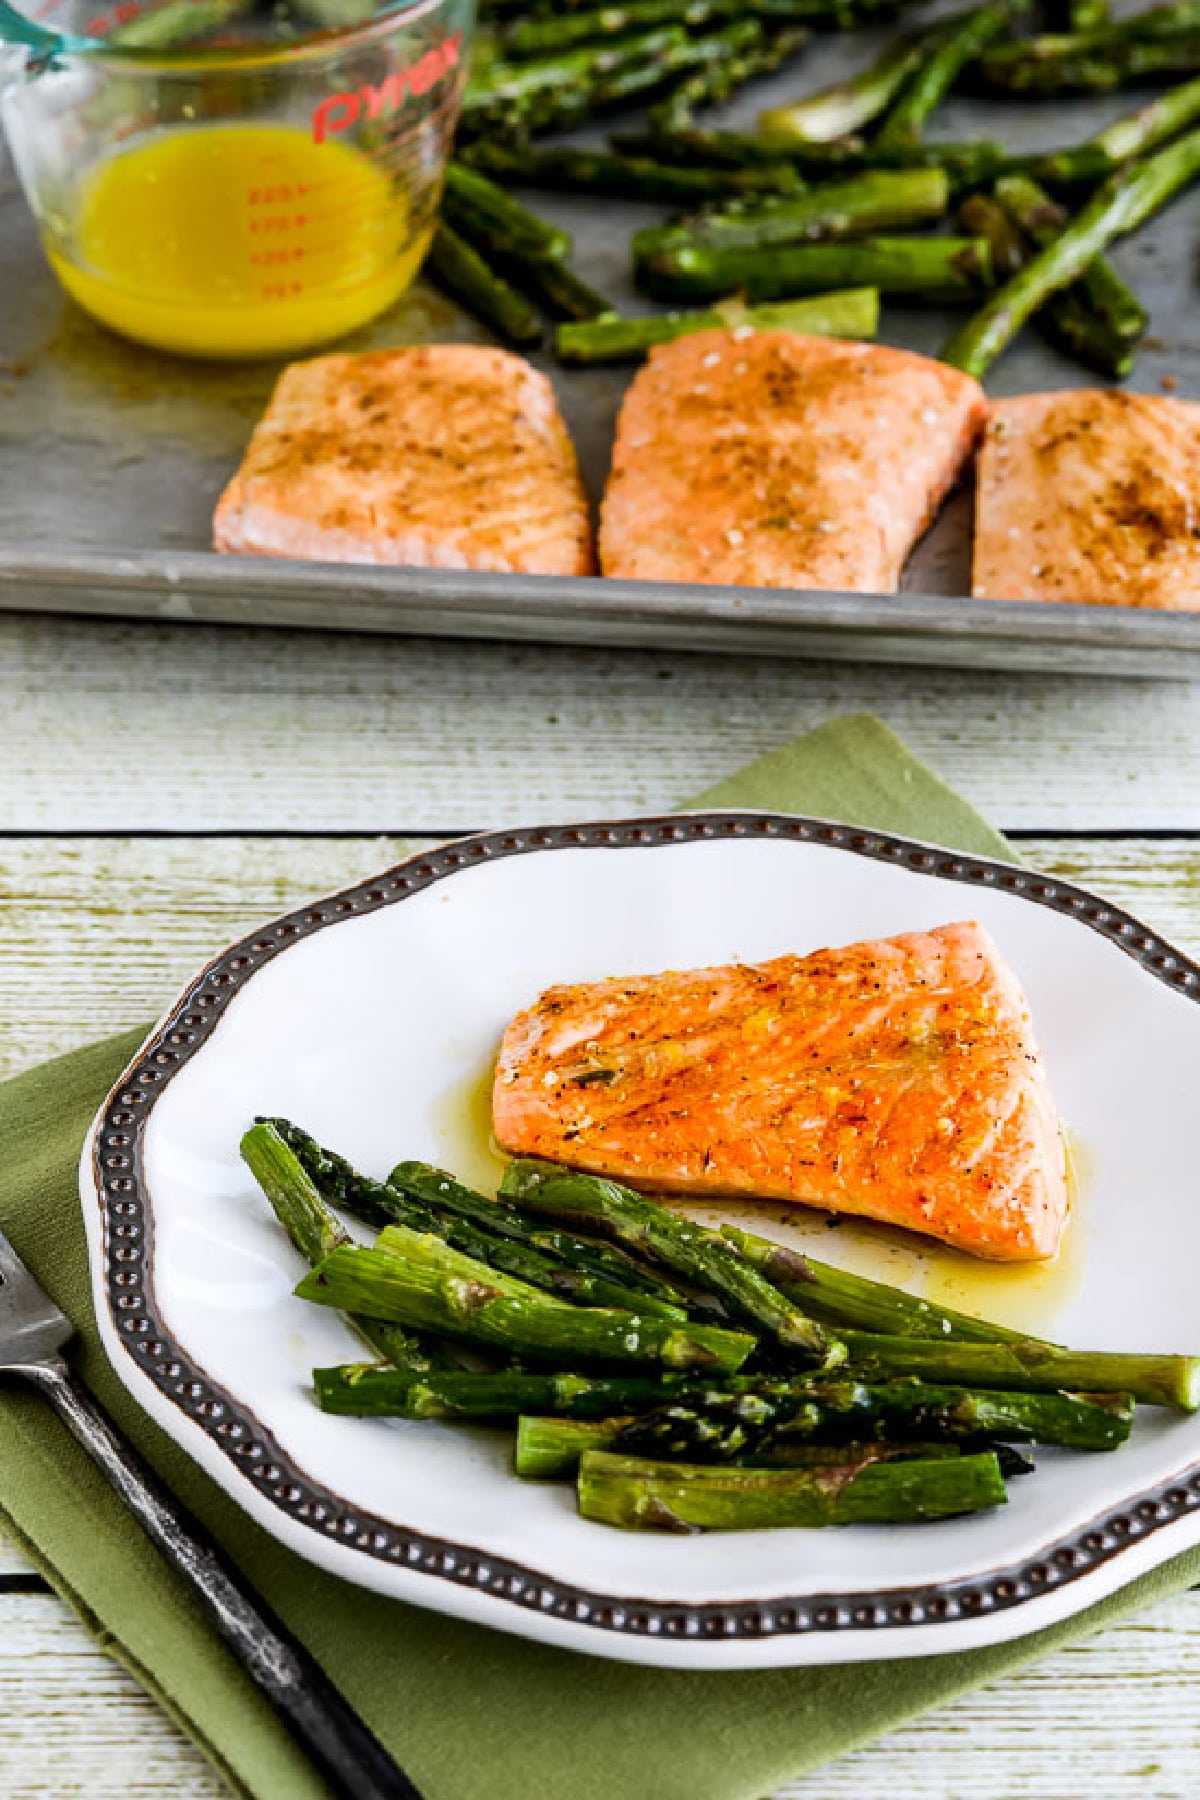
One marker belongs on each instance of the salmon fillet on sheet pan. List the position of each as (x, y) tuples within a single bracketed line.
[(769, 459), (448, 456)]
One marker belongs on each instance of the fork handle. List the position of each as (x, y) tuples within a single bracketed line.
[(350, 1757)]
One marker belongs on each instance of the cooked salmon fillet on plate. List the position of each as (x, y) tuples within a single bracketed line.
[(897, 1078), (449, 456), (1092, 495), (769, 459)]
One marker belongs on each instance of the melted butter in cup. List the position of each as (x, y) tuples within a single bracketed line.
[(237, 240)]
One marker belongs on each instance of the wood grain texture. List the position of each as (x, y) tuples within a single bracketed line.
[(13, 1568), (1112, 1716), (111, 727), (98, 934)]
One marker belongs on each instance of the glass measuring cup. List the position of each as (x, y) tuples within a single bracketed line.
[(231, 178)]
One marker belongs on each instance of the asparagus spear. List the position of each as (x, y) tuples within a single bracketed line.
[(1066, 319), (1100, 287), (625, 1491), (833, 15), (720, 55), (961, 44), (176, 23), (334, 15), (986, 218), (629, 83), (705, 147), (1030, 1368), (837, 209), (549, 1449), (967, 165), (626, 177), (1153, 24), (494, 221), (669, 1238), (515, 84), (538, 35), (1151, 126), (1081, 165), (437, 1289), (380, 1205), (872, 1316), (563, 293), (1082, 71), (838, 111), (546, 35), (840, 1298), (721, 1426), (778, 1422), (517, 98), (316, 1232), (934, 269), (1079, 15), (1123, 204), (341, 1184), (717, 82), (460, 271), (368, 1391), (854, 313), (433, 1187)]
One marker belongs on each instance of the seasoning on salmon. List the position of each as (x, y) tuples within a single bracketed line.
[(448, 456), (768, 459), (1092, 495), (897, 1078)]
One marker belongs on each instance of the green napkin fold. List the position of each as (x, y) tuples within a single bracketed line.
[(470, 1713)]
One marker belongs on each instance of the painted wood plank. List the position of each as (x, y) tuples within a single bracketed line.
[(98, 934), (12, 1563), (1113, 1716), (140, 726)]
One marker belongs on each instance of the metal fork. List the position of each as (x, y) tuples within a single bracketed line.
[(32, 1334)]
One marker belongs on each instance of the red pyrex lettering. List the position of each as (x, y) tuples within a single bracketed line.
[(341, 111)]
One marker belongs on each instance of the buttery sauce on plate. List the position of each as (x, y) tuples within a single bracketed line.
[(1027, 1296), (462, 1123)]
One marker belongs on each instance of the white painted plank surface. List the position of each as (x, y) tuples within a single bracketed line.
[(12, 1563), (98, 934), (1113, 1717), (115, 727)]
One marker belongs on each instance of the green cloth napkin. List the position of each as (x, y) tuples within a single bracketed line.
[(470, 1713)]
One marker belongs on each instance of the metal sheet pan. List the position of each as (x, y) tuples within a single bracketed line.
[(111, 459)]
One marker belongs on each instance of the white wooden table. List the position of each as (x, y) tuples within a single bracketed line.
[(162, 789)]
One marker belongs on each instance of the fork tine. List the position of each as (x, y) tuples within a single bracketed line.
[(32, 1328)]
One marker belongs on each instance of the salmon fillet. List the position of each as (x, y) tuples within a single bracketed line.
[(450, 456), (767, 459), (897, 1078), (1092, 496)]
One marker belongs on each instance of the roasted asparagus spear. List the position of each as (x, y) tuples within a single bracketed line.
[(854, 313), (668, 1238), (419, 1280), (638, 1495)]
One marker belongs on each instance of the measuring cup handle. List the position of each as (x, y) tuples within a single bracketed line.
[(15, 28)]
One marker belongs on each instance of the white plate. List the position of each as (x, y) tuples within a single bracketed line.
[(370, 1018)]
